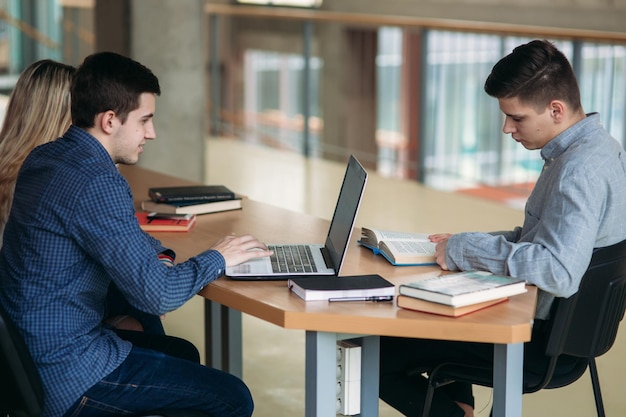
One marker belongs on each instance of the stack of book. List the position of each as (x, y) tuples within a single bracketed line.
[(459, 293), (198, 199)]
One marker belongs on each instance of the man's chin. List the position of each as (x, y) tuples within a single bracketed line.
[(127, 161), (529, 146)]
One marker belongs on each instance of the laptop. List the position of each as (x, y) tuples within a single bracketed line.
[(314, 258)]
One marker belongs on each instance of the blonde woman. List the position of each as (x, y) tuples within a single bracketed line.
[(38, 112)]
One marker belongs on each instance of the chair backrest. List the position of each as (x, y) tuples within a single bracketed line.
[(585, 325), (22, 392)]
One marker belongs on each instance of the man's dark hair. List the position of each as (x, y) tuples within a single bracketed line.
[(535, 73), (109, 81)]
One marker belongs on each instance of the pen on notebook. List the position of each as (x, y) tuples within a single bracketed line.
[(376, 298)]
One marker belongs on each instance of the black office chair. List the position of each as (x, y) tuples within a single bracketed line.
[(22, 394), (581, 328)]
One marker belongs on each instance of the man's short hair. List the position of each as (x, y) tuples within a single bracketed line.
[(535, 73), (109, 81)]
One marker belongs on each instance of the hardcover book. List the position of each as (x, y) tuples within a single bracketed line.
[(399, 248), (424, 306), (156, 222), (347, 288), (463, 288), (191, 194), (192, 208)]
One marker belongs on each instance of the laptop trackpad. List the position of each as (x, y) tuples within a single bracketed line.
[(253, 266)]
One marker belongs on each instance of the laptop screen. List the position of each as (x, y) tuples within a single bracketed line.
[(345, 212)]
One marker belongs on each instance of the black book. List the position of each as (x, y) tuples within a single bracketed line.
[(195, 193), (348, 288)]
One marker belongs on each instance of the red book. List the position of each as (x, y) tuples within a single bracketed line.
[(159, 222)]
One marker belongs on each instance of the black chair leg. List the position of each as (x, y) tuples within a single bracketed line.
[(428, 400), (433, 384), (595, 382)]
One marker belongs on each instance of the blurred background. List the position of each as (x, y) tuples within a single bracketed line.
[(262, 94)]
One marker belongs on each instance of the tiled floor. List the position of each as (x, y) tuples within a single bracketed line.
[(274, 357)]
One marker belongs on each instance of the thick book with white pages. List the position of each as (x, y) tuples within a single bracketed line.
[(195, 208), (463, 288), (424, 306)]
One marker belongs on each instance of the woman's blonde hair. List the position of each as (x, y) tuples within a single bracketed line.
[(38, 111)]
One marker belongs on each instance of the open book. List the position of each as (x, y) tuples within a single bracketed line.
[(399, 248)]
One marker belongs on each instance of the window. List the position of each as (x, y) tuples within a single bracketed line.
[(460, 140), (293, 3), (602, 82), (273, 100)]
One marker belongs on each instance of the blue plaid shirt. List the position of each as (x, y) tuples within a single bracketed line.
[(578, 203), (72, 231)]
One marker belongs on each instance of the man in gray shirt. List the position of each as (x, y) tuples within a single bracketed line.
[(577, 204)]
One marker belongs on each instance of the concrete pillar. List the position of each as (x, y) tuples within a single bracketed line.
[(112, 26), (168, 36)]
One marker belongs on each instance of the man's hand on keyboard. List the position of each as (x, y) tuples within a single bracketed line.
[(238, 249)]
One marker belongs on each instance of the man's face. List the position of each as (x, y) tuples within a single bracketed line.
[(533, 130), (129, 138)]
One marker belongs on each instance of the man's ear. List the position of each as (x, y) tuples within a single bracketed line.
[(557, 110), (107, 121)]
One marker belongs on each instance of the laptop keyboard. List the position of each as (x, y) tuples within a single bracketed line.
[(294, 259)]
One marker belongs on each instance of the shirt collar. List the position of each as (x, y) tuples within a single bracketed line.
[(565, 139), (86, 140)]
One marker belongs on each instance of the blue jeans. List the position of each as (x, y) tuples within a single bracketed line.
[(148, 381)]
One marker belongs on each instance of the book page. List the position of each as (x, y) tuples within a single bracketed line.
[(411, 247), (390, 235)]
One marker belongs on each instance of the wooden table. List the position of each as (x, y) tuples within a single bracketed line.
[(507, 325)]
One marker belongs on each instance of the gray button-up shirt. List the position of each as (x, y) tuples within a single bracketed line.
[(578, 203)]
